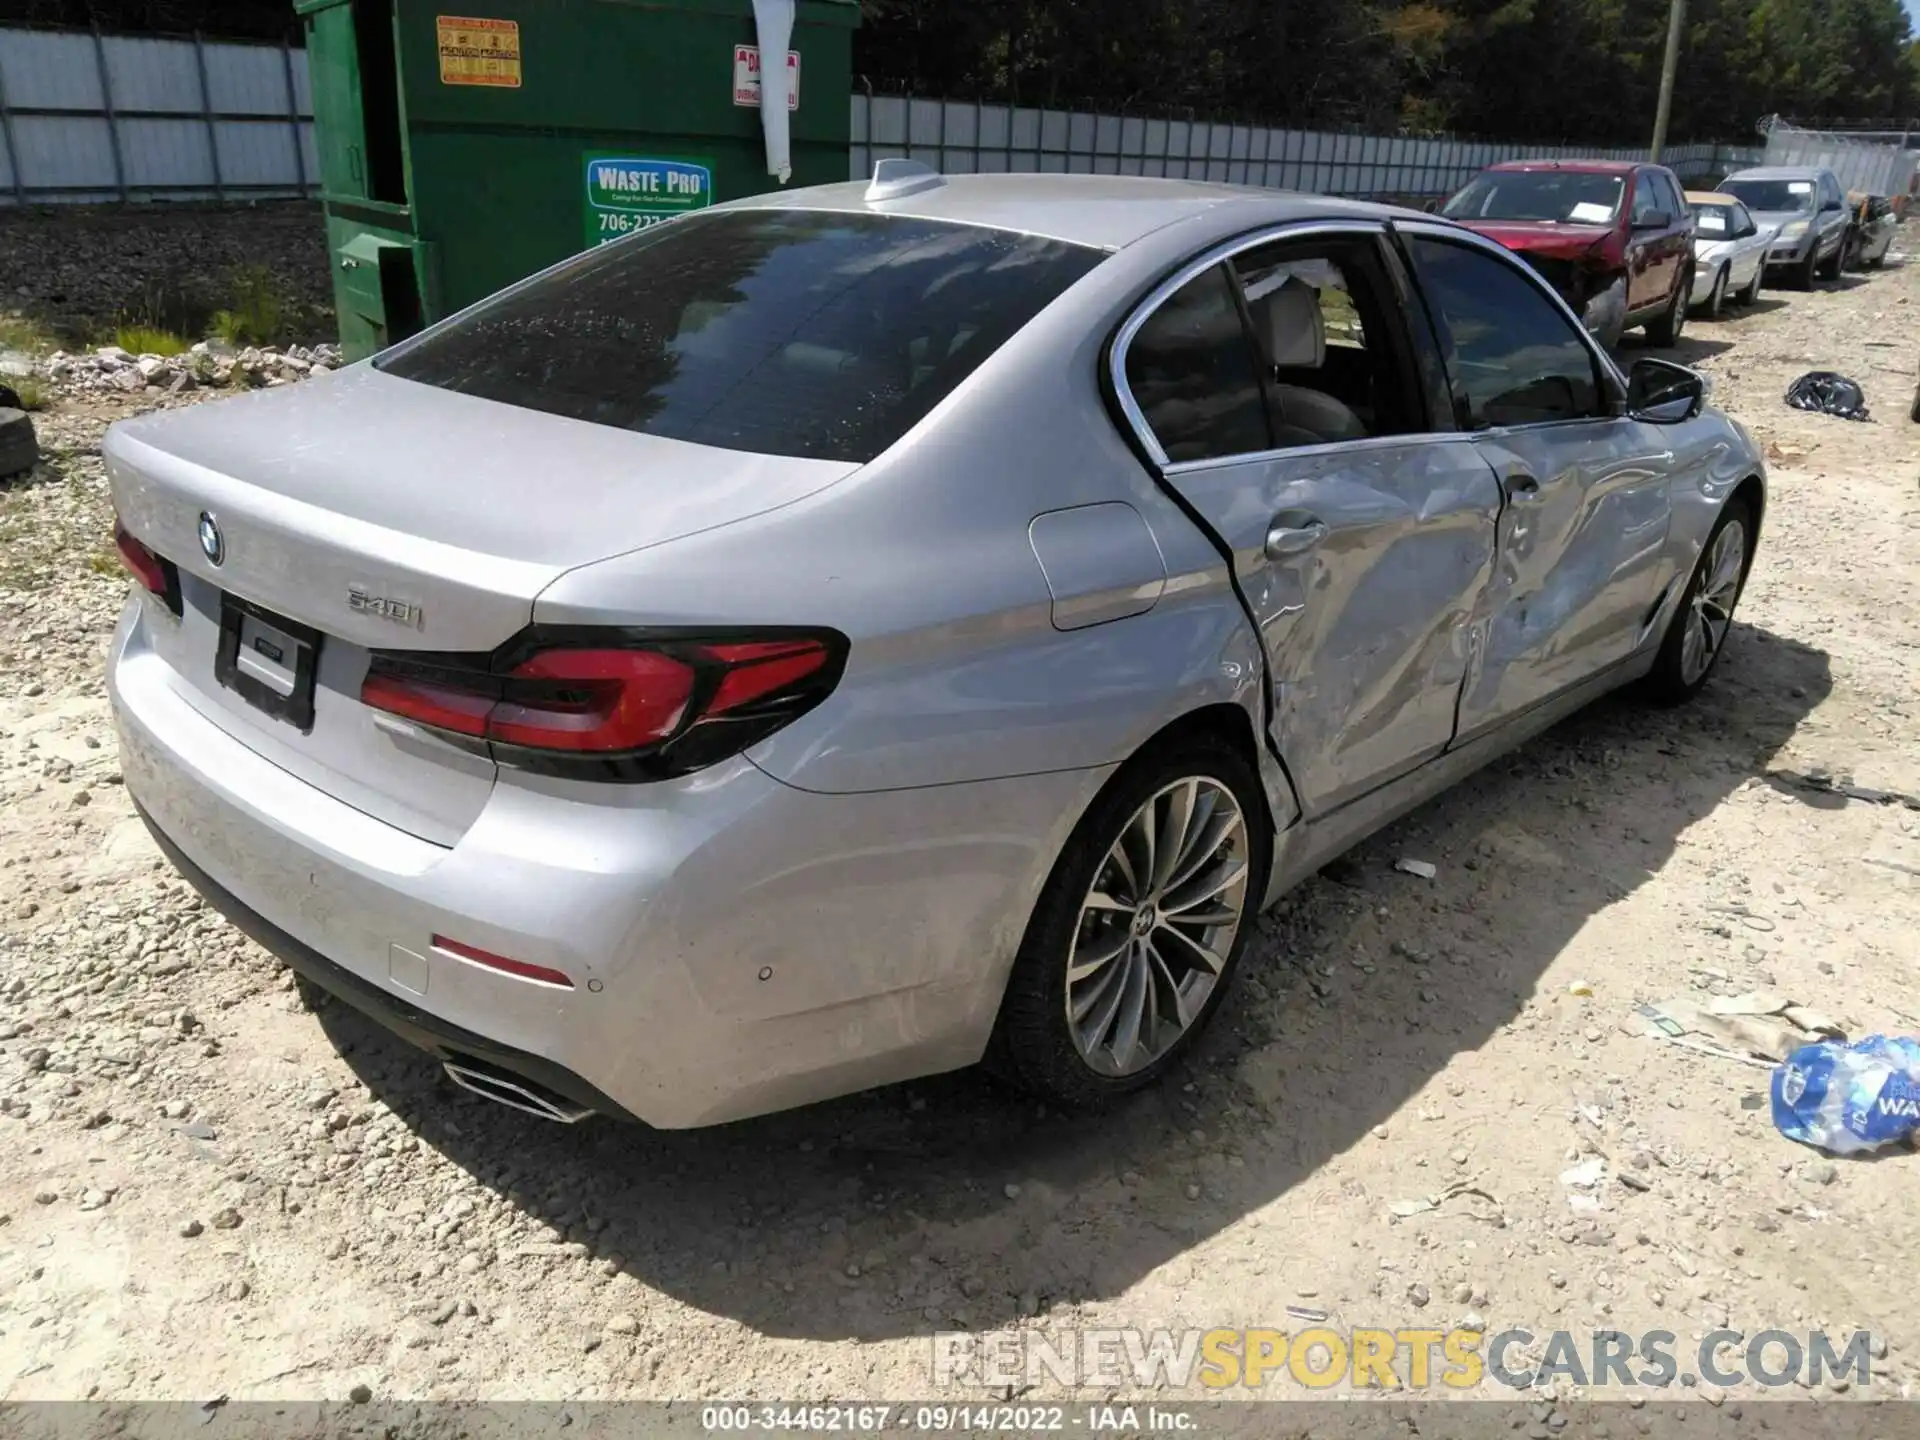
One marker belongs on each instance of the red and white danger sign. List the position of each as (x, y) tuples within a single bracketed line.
[(746, 76)]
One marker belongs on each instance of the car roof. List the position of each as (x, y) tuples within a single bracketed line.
[(1105, 211), (1711, 197), (1779, 172), (1585, 167)]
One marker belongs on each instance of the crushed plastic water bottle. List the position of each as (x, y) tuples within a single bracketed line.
[(1849, 1098)]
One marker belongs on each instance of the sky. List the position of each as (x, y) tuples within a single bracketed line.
[(1913, 13)]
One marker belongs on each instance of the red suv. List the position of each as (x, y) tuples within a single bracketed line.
[(1614, 238)]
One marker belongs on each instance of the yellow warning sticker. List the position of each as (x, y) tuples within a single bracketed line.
[(479, 52)]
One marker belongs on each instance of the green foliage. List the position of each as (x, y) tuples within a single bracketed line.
[(1582, 71), (256, 313), (19, 333), (32, 390), (149, 340)]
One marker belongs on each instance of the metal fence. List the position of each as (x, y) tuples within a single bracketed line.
[(1876, 163), (958, 137), (87, 117), (90, 117)]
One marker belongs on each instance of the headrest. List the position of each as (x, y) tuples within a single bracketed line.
[(1291, 327)]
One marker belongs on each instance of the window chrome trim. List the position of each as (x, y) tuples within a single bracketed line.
[(1325, 447), (1419, 225), (1165, 290)]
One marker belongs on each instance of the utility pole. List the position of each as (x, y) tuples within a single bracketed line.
[(1676, 21)]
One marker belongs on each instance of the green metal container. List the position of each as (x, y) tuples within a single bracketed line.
[(465, 144)]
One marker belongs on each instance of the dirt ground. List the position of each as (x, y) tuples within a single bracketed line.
[(207, 1190)]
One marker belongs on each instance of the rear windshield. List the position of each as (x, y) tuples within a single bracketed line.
[(786, 332), (1560, 196), (1775, 195)]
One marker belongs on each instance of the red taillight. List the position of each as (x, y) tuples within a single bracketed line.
[(592, 700), (625, 711), (142, 563), (546, 975)]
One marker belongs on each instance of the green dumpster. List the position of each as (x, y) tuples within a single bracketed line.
[(465, 144)]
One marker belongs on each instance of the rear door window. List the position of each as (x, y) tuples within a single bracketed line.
[(807, 333)]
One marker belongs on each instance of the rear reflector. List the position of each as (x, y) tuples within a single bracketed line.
[(618, 707), (146, 567), (546, 975)]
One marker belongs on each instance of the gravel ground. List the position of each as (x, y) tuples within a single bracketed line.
[(208, 1189)]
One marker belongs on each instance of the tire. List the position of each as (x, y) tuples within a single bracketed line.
[(1664, 331), (1751, 295), (1831, 270), (1803, 276), (1876, 262), (1714, 588), (1036, 1043), (1717, 300)]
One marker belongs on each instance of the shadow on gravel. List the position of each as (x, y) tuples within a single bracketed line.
[(952, 1202)]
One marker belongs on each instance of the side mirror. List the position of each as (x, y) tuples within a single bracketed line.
[(1653, 220), (1831, 205), (1663, 393)]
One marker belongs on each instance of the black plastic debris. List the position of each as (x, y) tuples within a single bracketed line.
[(1828, 393)]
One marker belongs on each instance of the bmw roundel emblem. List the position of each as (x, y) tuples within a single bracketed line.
[(212, 543)]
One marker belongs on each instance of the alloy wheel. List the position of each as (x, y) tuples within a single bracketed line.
[(1710, 613), (1157, 925)]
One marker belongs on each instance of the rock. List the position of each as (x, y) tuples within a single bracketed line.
[(45, 1197), (1473, 1320), (1012, 1192), (1192, 1191), (1463, 1294), (129, 380), (176, 1109), (238, 1290), (94, 1199), (360, 1394), (197, 1130), (623, 1325), (1418, 1295), (151, 366), (1819, 1172), (15, 364), (113, 355), (227, 1219), (19, 446), (190, 1229), (443, 1312)]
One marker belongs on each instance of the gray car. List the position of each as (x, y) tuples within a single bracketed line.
[(1808, 212), (849, 633)]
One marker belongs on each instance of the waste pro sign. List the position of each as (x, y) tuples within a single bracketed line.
[(625, 194), (746, 77)]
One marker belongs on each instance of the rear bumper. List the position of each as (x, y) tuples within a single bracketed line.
[(737, 946), (410, 1022)]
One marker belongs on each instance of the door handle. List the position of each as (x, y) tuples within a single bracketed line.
[(1294, 534), (1522, 488)]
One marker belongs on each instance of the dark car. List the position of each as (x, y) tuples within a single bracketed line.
[(1614, 238)]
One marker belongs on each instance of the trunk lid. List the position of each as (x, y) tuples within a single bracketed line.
[(445, 515)]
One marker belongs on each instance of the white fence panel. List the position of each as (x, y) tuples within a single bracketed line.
[(117, 117)]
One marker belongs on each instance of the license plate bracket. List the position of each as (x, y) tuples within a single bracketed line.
[(268, 660)]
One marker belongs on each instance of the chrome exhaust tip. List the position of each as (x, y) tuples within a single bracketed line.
[(515, 1093)]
